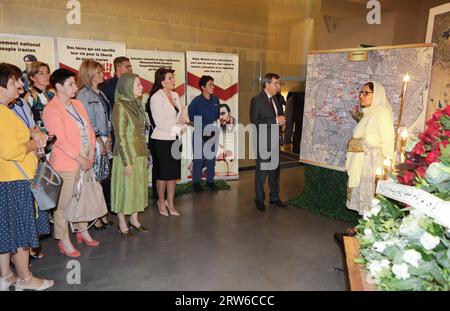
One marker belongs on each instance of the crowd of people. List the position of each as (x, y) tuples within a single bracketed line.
[(102, 126), (93, 125)]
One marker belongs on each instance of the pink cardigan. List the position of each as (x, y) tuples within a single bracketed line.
[(67, 147)]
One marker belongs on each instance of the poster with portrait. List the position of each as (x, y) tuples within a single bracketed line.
[(72, 52), (145, 63), (438, 32), (224, 68), (23, 50)]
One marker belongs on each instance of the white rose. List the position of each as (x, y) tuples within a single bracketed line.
[(412, 257), (429, 241), (375, 210), (401, 271), (368, 233), (375, 268), (409, 226), (385, 263), (375, 202), (379, 246)]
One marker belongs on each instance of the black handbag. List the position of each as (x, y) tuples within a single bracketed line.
[(46, 185)]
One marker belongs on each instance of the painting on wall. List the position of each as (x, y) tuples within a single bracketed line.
[(438, 32)]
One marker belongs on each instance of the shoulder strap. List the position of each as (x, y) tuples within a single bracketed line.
[(21, 170)]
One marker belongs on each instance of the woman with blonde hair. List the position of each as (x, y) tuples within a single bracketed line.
[(39, 93), (98, 108), (372, 142)]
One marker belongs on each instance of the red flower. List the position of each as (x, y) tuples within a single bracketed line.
[(432, 123), (432, 157), (447, 134), (437, 115), (424, 137), (447, 111), (419, 148), (421, 171), (407, 178)]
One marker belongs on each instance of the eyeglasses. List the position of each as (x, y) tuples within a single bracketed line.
[(365, 93)]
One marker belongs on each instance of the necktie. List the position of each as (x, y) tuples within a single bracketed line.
[(271, 106)]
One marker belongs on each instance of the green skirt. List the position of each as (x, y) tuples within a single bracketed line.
[(129, 194)]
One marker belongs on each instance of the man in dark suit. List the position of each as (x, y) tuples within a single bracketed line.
[(267, 114), (122, 65)]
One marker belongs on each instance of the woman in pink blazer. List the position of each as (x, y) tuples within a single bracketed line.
[(73, 150)]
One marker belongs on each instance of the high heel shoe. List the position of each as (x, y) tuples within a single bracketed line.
[(92, 242), (62, 250), (127, 234), (173, 212), (141, 228), (5, 284), (163, 212), (20, 286)]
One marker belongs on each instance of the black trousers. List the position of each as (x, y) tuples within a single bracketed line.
[(260, 180)]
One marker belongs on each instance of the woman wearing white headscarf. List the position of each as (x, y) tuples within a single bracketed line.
[(371, 143)]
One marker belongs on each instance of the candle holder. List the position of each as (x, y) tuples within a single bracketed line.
[(379, 175), (398, 149)]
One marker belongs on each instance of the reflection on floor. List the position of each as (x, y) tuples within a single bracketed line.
[(221, 242)]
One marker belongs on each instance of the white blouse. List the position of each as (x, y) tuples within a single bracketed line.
[(166, 118)]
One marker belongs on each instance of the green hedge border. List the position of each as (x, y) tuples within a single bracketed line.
[(325, 194)]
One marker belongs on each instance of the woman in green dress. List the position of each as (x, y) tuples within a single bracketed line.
[(129, 185)]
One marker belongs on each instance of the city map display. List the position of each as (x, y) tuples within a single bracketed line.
[(332, 85)]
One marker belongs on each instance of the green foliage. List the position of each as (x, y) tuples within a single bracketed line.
[(325, 193)]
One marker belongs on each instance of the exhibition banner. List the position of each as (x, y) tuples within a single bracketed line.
[(145, 63), (224, 68), (72, 52), (23, 50)]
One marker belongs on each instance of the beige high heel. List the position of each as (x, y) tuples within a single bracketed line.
[(5, 284), (20, 286), (173, 212), (163, 212)]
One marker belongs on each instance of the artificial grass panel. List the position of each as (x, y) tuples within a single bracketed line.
[(325, 193), (188, 188)]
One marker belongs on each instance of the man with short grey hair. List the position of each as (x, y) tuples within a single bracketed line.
[(267, 114)]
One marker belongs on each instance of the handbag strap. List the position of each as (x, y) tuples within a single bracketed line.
[(22, 171)]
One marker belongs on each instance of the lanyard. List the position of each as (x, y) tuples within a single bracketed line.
[(77, 117), (24, 117)]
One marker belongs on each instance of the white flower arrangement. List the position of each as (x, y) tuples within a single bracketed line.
[(404, 249)]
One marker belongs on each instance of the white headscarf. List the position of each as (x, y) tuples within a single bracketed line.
[(377, 129), (380, 103)]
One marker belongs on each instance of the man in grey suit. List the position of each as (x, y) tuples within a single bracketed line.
[(267, 114)]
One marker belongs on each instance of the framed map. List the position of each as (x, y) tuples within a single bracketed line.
[(332, 85), (438, 32)]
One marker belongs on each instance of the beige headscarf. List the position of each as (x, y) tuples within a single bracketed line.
[(377, 129)]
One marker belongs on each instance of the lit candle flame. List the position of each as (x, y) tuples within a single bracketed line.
[(379, 171), (406, 78), (404, 134)]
